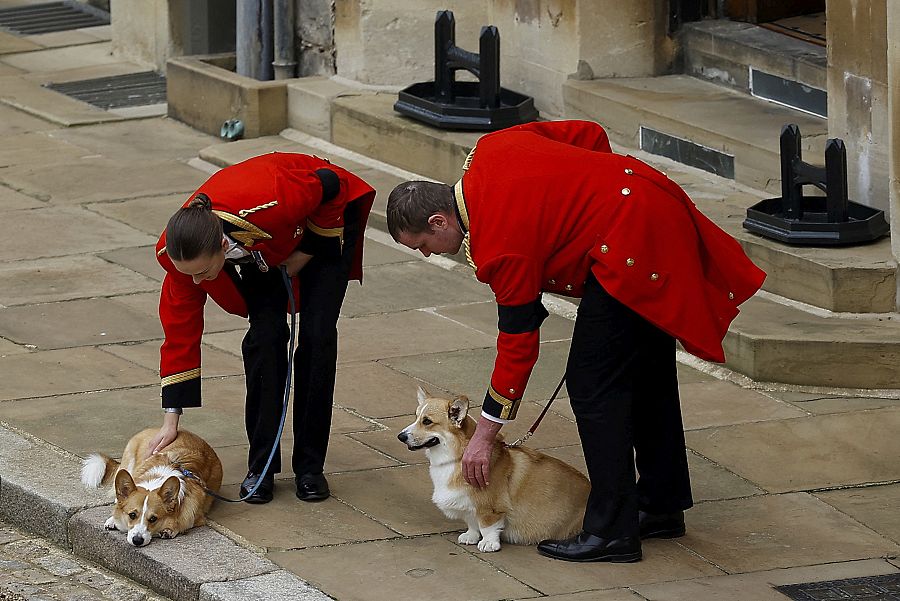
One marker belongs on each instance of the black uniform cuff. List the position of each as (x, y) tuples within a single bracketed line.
[(331, 184), (182, 394), (499, 406), (519, 319)]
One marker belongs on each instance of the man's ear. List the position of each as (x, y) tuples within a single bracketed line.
[(224, 244), (458, 410), (438, 221)]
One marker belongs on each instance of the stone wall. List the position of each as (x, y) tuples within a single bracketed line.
[(542, 42), (858, 94), (314, 44)]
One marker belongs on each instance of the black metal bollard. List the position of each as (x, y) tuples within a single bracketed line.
[(449, 104), (812, 220)]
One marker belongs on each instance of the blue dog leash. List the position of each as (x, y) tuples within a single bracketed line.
[(287, 395)]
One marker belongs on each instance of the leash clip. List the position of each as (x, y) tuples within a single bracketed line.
[(260, 262)]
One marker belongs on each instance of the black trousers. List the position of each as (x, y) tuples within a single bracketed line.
[(323, 284), (623, 388)]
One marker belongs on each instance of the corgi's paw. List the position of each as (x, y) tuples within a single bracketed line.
[(167, 533), (110, 524), (469, 537), (489, 546)]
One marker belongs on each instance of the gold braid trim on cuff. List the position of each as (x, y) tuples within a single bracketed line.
[(510, 406), (181, 377)]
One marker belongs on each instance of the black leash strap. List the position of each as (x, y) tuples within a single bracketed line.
[(287, 395), (540, 417)]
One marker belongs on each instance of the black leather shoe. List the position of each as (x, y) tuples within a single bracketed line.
[(661, 525), (263, 494), (312, 487), (587, 547)]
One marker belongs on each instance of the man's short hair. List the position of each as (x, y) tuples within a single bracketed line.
[(411, 204)]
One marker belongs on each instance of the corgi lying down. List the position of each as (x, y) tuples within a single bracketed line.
[(153, 497), (531, 496)]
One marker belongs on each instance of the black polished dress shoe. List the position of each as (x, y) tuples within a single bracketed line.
[(263, 494), (312, 487), (661, 525), (587, 547)]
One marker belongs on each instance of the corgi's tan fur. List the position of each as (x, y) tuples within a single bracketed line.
[(531, 496), (153, 497)]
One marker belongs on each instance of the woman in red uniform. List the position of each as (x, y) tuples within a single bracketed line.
[(228, 242), (548, 207)]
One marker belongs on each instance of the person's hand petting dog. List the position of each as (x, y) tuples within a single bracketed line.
[(476, 462)]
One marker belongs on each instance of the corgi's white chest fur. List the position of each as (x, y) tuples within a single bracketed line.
[(453, 500)]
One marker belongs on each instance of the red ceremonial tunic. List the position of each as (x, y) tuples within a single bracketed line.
[(545, 203), (270, 204)]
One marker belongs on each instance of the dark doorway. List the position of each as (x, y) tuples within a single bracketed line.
[(766, 11)]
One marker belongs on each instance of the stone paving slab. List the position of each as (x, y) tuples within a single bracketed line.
[(215, 318), (66, 278), (10, 200), (468, 371), (712, 482), (807, 453), (778, 531), (6, 70), (40, 503), (149, 214), (288, 523), (33, 147), (176, 568), (873, 506), (274, 586), (13, 122), (57, 59), (7, 347), (399, 497), (375, 390), (65, 371), (483, 317), (214, 362), (61, 325), (11, 44), (432, 288), (718, 403), (758, 586), (72, 37), (99, 179), (621, 594), (663, 560), (63, 231), (845, 404), (385, 440), (140, 259), (143, 140), (30, 96), (419, 568)]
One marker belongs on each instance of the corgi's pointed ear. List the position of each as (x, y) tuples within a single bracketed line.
[(458, 410), (422, 395), (170, 490), (124, 485)]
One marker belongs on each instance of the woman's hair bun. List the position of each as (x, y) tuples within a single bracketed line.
[(200, 201)]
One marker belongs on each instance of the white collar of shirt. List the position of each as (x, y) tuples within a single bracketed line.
[(234, 250)]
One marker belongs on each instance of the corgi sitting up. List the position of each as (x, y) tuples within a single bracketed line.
[(154, 498), (531, 496)]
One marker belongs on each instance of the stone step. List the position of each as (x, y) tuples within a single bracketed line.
[(772, 342), (750, 59), (697, 123)]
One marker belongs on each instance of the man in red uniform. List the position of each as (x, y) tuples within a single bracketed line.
[(228, 242), (548, 207)]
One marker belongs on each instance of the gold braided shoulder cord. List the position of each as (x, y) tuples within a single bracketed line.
[(468, 247)]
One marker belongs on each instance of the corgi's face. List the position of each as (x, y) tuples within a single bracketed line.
[(438, 422), (145, 512)]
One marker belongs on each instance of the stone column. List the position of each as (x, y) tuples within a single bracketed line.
[(140, 31), (893, 68), (858, 94)]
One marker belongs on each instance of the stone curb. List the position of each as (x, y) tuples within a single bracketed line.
[(41, 491)]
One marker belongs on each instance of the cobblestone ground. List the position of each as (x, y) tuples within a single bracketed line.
[(32, 569)]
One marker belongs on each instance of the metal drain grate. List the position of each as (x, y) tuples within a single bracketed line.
[(135, 89), (869, 588), (53, 16)]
